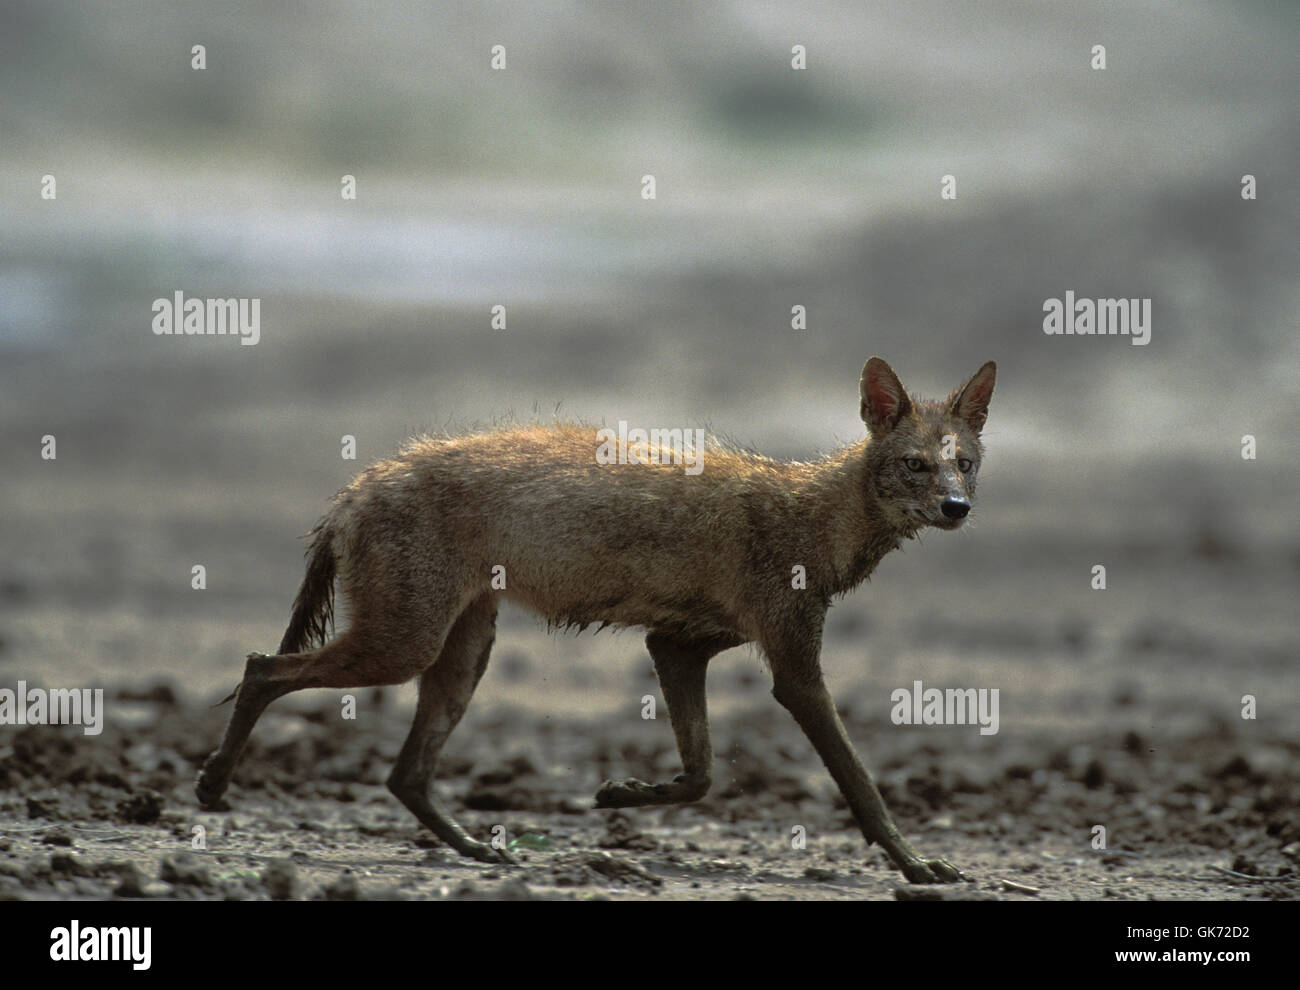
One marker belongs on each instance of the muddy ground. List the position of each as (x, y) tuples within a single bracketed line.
[(310, 817)]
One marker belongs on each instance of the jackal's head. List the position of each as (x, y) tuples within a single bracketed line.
[(924, 457)]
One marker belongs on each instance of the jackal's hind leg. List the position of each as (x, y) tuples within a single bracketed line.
[(357, 658), (266, 678), (445, 691), (681, 665)]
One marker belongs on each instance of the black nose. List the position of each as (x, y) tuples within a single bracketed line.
[(955, 508)]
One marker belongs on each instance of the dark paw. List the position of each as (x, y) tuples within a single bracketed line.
[(931, 871), (628, 793), (209, 788), (488, 854)]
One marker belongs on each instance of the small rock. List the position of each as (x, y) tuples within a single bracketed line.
[(513, 890), (500, 798), (281, 880), (1135, 744), (132, 883), (1238, 766), (1094, 775), (11, 890), (1244, 864), (57, 837), (160, 692), (68, 864), (345, 888), (620, 870), (184, 870), (621, 833), (142, 808)]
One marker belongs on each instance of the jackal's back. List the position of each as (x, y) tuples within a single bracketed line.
[(578, 541)]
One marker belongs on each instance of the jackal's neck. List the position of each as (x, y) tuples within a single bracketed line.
[(851, 527)]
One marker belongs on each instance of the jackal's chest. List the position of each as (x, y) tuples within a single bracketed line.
[(864, 561)]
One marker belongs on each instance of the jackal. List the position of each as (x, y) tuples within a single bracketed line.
[(703, 562)]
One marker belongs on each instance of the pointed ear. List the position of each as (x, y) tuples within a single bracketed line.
[(884, 400), (970, 403)]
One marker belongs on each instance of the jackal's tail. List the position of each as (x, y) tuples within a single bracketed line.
[(313, 609)]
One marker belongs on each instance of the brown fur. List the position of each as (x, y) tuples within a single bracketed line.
[(704, 562)]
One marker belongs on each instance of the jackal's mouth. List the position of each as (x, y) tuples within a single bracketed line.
[(938, 520)]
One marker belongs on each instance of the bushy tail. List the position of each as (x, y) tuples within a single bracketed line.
[(313, 609)]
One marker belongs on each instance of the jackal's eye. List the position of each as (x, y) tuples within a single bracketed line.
[(963, 464), (914, 463)]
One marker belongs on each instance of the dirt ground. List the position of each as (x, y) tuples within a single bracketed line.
[(310, 818)]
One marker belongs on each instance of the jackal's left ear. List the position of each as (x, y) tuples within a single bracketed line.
[(970, 402)]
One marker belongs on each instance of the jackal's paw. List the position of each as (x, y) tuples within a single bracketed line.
[(629, 793), (209, 786), (931, 871), (488, 854)]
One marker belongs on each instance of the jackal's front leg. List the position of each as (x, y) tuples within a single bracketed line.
[(681, 665), (813, 708)]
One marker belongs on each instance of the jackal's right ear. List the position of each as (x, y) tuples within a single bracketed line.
[(884, 400)]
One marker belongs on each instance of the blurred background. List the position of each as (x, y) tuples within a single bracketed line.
[(774, 188)]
